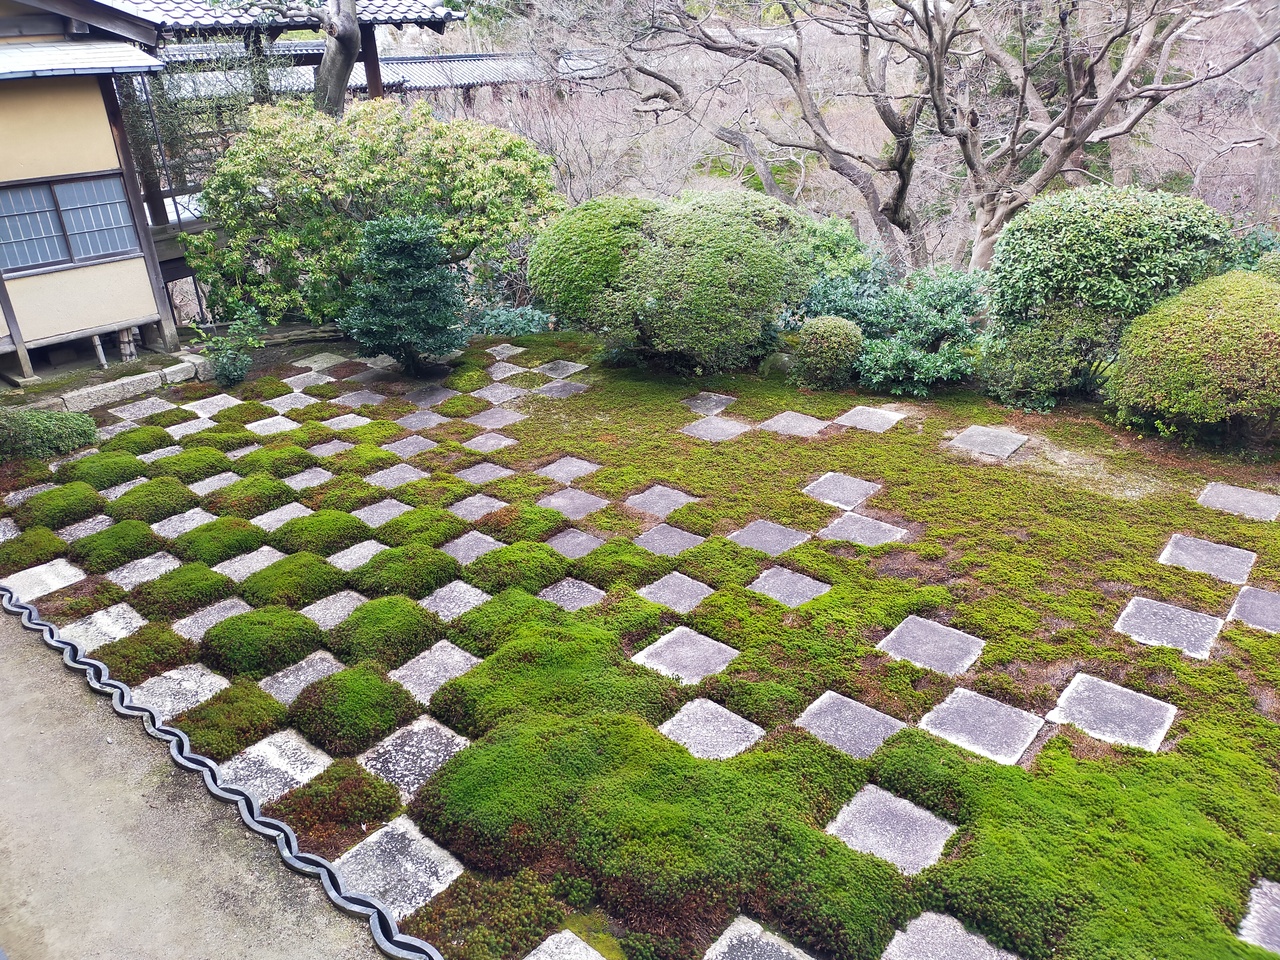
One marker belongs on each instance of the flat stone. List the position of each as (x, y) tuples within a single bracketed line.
[(574, 544), (682, 594), (199, 623), (179, 690), (430, 396), (989, 441), (180, 430), (1159, 624), (345, 422), (320, 361), (709, 731), (476, 507), (1261, 923), (358, 398), (891, 828), (659, 501), (410, 446), (568, 469), (935, 936), (686, 655), (211, 405), (358, 555), (560, 389), (311, 477), (747, 940), (668, 541), (841, 490), (239, 452), (433, 668), (142, 408), (101, 394), (501, 370), (564, 945), (120, 489), (789, 588), (793, 424), (160, 454), (9, 530), (137, 572), (1231, 564), (422, 420), (708, 404), (179, 372), (396, 476), (273, 520), (483, 473), (398, 867), (330, 448), (290, 401), (384, 511), (715, 429), (332, 610), (67, 534), (488, 443), (272, 767), (303, 380), (409, 757), (855, 528), (291, 681), (454, 599), (181, 523), (1241, 501), (495, 418), (570, 594), (932, 646), (113, 429), (105, 626), (1113, 713), (271, 425), (573, 503), (19, 497), (55, 465), (1257, 608), (496, 393), (561, 369), (987, 727), (849, 726), (381, 362), (471, 546), (875, 419), (504, 351), (244, 566), (768, 537)]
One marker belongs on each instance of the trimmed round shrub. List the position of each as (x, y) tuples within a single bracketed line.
[(282, 461), (430, 526), (42, 434), (1269, 265), (153, 500), (413, 570), (259, 643), (324, 532), (31, 547), (293, 581), (340, 806), (231, 720), (1067, 351), (349, 711), (197, 463), (138, 440), (177, 593), (523, 521), (251, 497), (826, 352), (59, 507), (529, 566), (102, 470), (148, 652), (114, 546), (1208, 357), (224, 538), (389, 630)]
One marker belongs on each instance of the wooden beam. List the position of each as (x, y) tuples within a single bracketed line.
[(372, 67), (15, 331), (106, 18), (47, 25)]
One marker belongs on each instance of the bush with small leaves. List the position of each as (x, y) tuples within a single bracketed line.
[(115, 546), (138, 440), (333, 811), (42, 434), (102, 470), (251, 497), (224, 538), (179, 592), (281, 461), (390, 630), (197, 463), (293, 581), (148, 652), (153, 501), (59, 507), (259, 643), (529, 566), (33, 546), (231, 720), (324, 532), (826, 353), (413, 570), (349, 711), (430, 526)]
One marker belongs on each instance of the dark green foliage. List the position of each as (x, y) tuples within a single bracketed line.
[(362, 459), (1065, 352), (59, 507), (324, 532), (283, 461), (251, 497), (826, 353), (153, 501), (390, 630), (351, 710), (479, 918), (1269, 265), (338, 808), (264, 388), (249, 412), (197, 463), (259, 643), (179, 592), (224, 538), (115, 546), (43, 433), (148, 652), (529, 566), (344, 492), (413, 570), (430, 526), (523, 521), (33, 546), (231, 720), (621, 562), (293, 581), (138, 440), (102, 470)]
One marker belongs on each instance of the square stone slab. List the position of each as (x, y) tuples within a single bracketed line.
[(398, 867), (160, 454), (932, 646), (668, 541), (708, 404), (564, 945), (303, 380), (311, 477), (271, 425), (793, 424), (141, 408), (181, 689), (574, 543), (384, 511), (180, 430), (330, 448), (1257, 608), (747, 940), (495, 418), (35, 582), (104, 626), (715, 429), (483, 473), (330, 611), (1241, 501), (1159, 624), (119, 490), (137, 572), (841, 490), (1231, 564), (488, 443), (768, 537), (709, 731), (935, 936), (682, 594), (560, 389), (471, 546), (241, 568), (202, 488), (272, 767), (358, 555), (290, 401), (291, 681), (504, 351), (496, 393), (849, 726), (789, 588), (409, 757), (9, 530), (454, 599), (432, 669), (181, 523), (112, 429), (409, 446), (891, 828), (570, 594), (197, 625), (1113, 713), (396, 476), (243, 451), (686, 655), (1261, 923), (659, 501), (67, 534), (476, 507), (989, 441), (273, 520), (561, 369), (573, 503), (501, 370), (987, 727), (568, 469), (358, 398), (320, 361), (422, 420), (19, 497), (875, 419), (211, 405), (430, 396), (855, 528), (346, 421)]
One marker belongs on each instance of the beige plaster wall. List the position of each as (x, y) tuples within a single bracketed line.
[(81, 298)]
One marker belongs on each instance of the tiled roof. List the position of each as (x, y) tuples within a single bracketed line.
[(61, 58), (199, 14)]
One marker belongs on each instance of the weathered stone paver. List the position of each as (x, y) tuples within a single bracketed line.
[(565, 945), (495, 418), (67, 534), (686, 655), (572, 594), (410, 446), (19, 497), (114, 493), (113, 429), (1241, 501), (301, 381), (430, 396), (202, 488), (180, 689), (874, 419), (254, 448), (180, 430), (330, 611), (708, 404), (471, 546), (682, 594), (497, 393), (1257, 608), (504, 351), (866, 531), (709, 731), (137, 572), (454, 599), (154, 455), (1261, 923), (290, 401), (935, 936), (1231, 564), (483, 473), (407, 758), (841, 490), (659, 501), (244, 566), (346, 421), (668, 541), (560, 389), (849, 726), (715, 429), (891, 828), (104, 626), (141, 408), (931, 645), (320, 361), (399, 867), (747, 940), (422, 420), (989, 442), (195, 626), (180, 523), (567, 469), (358, 398), (789, 588), (1159, 624), (272, 767), (768, 537), (792, 424), (36, 582), (291, 681), (573, 503), (476, 507), (560, 369), (211, 405), (987, 727), (358, 555), (384, 511), (396, 476), (489, 442), (574, 543), (331, 447), (271, 426), (9, 529), (432, 669), (273, 520), (502, 369), (1113, 714)]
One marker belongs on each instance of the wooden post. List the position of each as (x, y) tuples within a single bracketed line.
[(372, 66), (11, 320)]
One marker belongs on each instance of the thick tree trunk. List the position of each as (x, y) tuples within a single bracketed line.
[(341, 50)]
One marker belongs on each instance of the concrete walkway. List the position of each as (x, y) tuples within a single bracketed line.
[(107, 850)]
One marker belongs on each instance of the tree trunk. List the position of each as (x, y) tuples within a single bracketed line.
[(988, 221), (341, 50)]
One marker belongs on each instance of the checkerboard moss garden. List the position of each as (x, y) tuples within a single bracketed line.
[(468, 690)]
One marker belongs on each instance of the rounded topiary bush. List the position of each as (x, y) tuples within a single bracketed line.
[(349, 711), (180, 592), (826, 353), (413, 570), (224, 538), (260, 642), (60, 507), (389, 630), (324, 532), (153, 500), (115, 546), (102, 470), (293, 581), (148, 652)]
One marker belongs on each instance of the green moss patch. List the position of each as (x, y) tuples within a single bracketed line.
[(153, 501), (414, 571), (138, 440), (180, 592), (429, 526), (263, 388), (323, 532), (102, 470), (349, 711), (259, 643), (293, 581), (248, 412), (337, 809), (231, 720), (281, 461), (59, 507), (362, 459), (250, 497), (482, 918), (523, 522), (220, 540), (621, 563), (390, 630), (464, 406), (33, 546), (345, 493), (149, 652), (527, 566), (197, 463)]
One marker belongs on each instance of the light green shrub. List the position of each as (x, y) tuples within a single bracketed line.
[(826, 351)]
